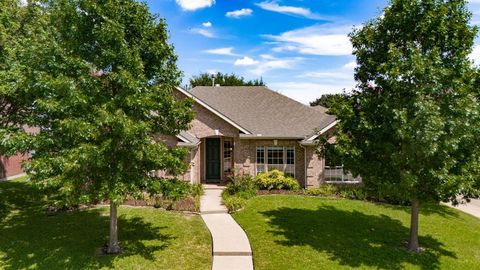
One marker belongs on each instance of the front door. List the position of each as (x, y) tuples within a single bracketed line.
[(212, 160)]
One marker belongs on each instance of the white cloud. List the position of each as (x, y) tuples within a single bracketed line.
[(269, 62), (289, 10), (475, 55), (350, 65), (207, 24), (305, 92), (23, 3), (191, 5), (222, 51), (239, 13), (203, 32), (325, 39), (245, 61)]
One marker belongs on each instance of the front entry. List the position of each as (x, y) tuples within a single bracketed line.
[(212, 160)]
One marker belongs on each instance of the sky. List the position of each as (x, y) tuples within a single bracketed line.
[(300, 48)]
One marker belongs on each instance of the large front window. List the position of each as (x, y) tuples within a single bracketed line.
[(276, 157)]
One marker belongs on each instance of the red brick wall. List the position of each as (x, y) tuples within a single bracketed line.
[(11, 166)]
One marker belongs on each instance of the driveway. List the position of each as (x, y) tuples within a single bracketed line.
[(473, 207)]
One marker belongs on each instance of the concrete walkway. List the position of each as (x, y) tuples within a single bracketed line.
[(231, 249), (472, 208)]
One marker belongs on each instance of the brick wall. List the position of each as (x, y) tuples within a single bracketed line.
[(11, 166)]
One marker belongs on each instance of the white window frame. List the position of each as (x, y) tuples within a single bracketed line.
[(284, 159)]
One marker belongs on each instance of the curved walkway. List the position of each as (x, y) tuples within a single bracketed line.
[(231, 248)]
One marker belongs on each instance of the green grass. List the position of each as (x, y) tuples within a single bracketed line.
[(152, 238), (298, 232)]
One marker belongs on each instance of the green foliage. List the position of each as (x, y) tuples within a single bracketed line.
[(205, 79), (244, 183), (323, 190), (411, 128), (234, 203), (329, 100), (276, 179), (97, 80)]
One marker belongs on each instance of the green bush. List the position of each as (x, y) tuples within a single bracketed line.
[(233, 203), (196, 190), (352, 192), (275, 179), (323, 190), (244, 183)]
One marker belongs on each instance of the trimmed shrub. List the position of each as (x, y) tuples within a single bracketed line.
[(276, 179)]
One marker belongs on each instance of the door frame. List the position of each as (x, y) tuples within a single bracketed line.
[(220, 161)]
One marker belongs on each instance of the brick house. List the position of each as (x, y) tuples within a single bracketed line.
[(247, 130), (244, 130)]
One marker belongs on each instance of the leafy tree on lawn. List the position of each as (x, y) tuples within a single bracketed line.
[(328, 100), (96, 77), (205, 79), (411, 130)]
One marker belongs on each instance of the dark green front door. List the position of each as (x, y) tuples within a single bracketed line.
[(212, 159)]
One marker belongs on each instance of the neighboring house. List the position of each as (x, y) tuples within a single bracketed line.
[(252, 129), (11, 167)]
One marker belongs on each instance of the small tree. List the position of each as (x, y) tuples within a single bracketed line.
[(96, 77), (411, 130), (206, 79)]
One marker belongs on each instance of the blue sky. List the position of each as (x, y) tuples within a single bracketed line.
[(299, 47)]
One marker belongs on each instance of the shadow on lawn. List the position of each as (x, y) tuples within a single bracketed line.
[(353, 239), (30, 238)]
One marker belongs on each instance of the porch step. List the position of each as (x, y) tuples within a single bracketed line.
[(213, 187)]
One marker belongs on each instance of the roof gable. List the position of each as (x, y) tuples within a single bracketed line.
[(263, 112)]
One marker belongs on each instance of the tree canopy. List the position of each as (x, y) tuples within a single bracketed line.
[(223, 79), (411, 129), (328, 100), (96, 78)]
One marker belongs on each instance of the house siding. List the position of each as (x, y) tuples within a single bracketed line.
[(11, 166)]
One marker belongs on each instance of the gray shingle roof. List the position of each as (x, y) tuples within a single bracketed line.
[(263, 111)]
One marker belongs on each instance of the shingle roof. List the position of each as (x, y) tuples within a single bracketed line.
[(263, 111)]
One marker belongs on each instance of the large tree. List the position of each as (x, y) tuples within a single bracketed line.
[(97, 78), (411, 129), (223, 79)]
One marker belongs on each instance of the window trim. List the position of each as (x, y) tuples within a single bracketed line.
[(284, 159)]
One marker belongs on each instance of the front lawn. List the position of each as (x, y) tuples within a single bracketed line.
[(152, 238), (300, 232)]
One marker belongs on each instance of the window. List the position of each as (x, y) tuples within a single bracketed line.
[(334, 172), (227, 155), (290, 167), (277, 157), (260, 159)]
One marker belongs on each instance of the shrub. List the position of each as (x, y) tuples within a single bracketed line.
[(196, 190), (352, 192), (275, 179), (244, 183), (233, 203), (324, 190)]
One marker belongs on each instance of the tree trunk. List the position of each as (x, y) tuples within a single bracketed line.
[(113, 246), (413, 243)]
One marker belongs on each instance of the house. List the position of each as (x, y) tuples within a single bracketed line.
[(252, 129), (11, 167), (245, 130)]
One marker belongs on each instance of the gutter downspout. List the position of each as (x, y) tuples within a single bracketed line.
[(305, 164)]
